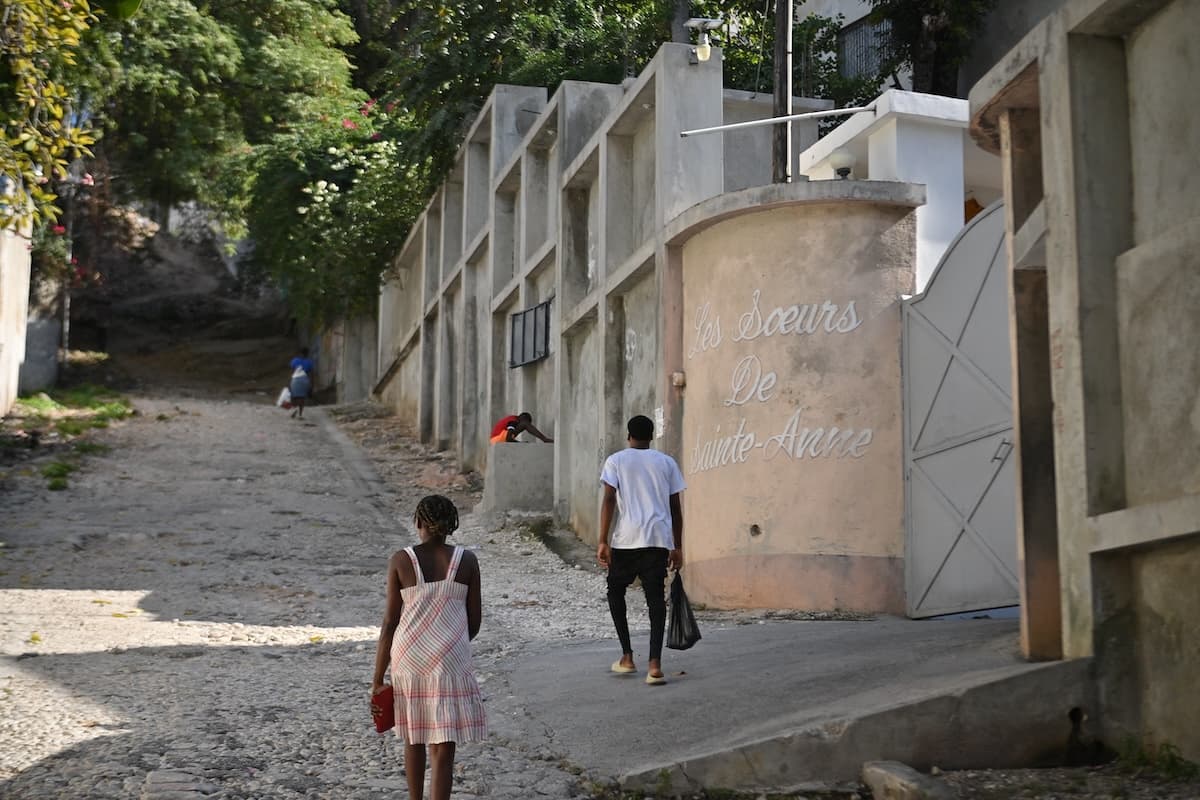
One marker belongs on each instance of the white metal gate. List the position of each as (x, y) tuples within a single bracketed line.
[(960, 513)]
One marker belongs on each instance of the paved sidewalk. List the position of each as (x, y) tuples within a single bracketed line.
[(788, 705)]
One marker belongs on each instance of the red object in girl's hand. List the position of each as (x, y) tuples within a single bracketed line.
[(383, 710)]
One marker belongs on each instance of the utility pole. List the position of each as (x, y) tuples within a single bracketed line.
[(782, 134)]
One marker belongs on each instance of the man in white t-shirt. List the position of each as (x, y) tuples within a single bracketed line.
[(644, 486)]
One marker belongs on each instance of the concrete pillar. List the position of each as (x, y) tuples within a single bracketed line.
[(426, 402), (670, 337), (1086, 150), (929, 152), (474, 361), (1033, 406), (612, 332), (527, 376), (1033, 432), (688, 96)]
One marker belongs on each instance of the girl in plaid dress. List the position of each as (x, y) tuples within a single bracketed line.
[(433, 611)]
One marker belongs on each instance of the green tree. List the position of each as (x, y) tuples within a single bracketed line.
[(331, 208), (161, 97), (42, 130), (183, 88), (932, 37)]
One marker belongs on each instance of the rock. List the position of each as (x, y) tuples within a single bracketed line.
[(891, 780)]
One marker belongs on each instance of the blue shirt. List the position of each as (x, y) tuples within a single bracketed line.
[(304, 363)]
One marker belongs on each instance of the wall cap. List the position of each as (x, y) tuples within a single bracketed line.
[(782, 195)]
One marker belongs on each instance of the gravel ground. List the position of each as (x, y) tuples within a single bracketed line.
[(196, 616)]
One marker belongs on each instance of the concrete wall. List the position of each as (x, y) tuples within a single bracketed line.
[(744, 164), (561, 199), (519, 477), (637, 338), (14, 302), (591, 209), (577, 484), (792, 407), (1118, 248), (43, 334), (394, 393), (359, 359)]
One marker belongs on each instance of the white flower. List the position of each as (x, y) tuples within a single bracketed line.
[(332, 151), (321, 185), (301, 210)]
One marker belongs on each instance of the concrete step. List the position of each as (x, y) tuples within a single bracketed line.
[(1012, 717), (791, 705)]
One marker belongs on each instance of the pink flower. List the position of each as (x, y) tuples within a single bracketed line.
[(388, 108), (74, 260), (66, 4), (88, 180), (376, 136), (58, 230), (349, 124), (367, 106)]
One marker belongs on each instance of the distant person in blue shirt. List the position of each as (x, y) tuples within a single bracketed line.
[(301, 385)]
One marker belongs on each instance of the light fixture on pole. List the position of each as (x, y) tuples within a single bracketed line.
[(703, 50), (843, 162)]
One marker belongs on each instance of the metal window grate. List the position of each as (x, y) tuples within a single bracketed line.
[(529, 337), (863, 47)]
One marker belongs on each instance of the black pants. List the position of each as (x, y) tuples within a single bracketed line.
[(649, 564)]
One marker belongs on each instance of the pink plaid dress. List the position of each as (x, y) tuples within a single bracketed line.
[(437, 698)]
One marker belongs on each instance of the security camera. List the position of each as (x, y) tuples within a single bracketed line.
[(703, 24)]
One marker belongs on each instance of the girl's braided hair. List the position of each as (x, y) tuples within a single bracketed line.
[(438, 515)]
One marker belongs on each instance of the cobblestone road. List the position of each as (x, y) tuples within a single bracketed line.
[(195, 617)]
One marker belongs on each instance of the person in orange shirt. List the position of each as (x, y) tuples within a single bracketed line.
[(509, 428)]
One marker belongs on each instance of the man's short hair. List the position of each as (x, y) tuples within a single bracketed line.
[(525, 416), (641, 428)]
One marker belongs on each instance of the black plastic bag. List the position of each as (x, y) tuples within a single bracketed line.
[(682, 631)]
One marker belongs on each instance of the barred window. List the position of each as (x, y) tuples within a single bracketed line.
[(863, 47), (529, 338)]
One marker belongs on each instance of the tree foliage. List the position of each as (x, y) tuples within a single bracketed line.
[(932, 37), (187, 86), (331, 207), (42, 130)]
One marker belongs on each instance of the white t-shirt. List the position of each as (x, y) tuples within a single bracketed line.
[(645, 481)]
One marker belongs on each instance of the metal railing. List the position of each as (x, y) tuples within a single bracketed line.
[(864, 47)]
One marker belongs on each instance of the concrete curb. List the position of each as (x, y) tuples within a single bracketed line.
[(1013, 717)]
